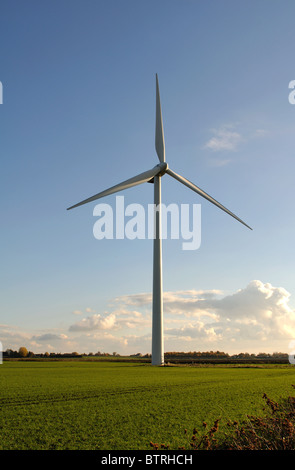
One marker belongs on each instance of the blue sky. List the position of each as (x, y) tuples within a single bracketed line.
[(78, 116)]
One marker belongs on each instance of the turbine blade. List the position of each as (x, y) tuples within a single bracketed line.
[(202, 193), (159, 141), (139, 179)]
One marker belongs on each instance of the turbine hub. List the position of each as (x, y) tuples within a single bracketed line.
[(164, 168)]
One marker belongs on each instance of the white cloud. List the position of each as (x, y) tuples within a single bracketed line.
[(195, 330), (260, 133), (95, 322), (228, 138), (134, 299), (13, 338), (49, 337), (224, 138), (217, 162), (87, 310), (257, 312), (255, 318), (257, 315)]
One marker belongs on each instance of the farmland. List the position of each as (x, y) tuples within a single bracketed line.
[(117, 405)]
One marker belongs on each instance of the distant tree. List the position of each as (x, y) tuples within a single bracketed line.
[(23, 352), (9, 353)]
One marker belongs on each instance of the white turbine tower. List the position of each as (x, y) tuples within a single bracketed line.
[(154, 176)]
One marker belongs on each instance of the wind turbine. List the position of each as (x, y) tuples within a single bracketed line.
[(154, 176)]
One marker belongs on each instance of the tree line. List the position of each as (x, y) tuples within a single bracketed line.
[(23, 352)]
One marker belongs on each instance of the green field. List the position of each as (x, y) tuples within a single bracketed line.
[(108, 405)]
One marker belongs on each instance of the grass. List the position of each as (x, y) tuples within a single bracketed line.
[(275, 430), (109, 406)]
